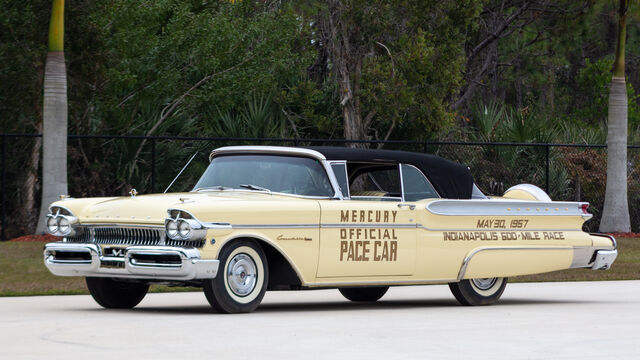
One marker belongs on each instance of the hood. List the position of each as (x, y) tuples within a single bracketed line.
[(150, 209)]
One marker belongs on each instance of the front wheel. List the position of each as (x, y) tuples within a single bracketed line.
[(242, 279), (365, 294), (484, 291), (113, 294)]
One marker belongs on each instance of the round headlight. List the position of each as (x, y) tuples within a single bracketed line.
[(52, 225), (172, 229), (64, 226), (184, 229)]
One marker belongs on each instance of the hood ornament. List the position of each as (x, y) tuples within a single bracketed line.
[(133, 193)]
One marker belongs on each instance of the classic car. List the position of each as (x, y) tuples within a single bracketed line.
[(279, 218)]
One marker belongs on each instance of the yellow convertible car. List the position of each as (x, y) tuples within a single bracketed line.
[(279, 218)]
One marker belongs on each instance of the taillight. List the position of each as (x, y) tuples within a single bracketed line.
[(584, 207)]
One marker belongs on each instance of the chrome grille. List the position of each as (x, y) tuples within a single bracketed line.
[(115, 235), (126, 235)]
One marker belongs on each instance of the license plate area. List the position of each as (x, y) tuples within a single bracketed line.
[(113, 257)]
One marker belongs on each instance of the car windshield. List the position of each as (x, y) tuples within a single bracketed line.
[(283, 174)]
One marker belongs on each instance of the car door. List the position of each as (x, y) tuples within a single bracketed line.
[(371, 234)]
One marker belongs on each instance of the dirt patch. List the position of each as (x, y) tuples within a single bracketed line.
[(36, 238)]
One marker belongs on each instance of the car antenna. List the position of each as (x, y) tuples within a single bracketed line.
[(176, 178)]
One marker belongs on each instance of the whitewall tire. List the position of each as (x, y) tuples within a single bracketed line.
[(484, 291), (242, 278)]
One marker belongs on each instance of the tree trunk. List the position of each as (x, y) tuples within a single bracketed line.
[(54, 134), (30, 186), (346, 56), (354, 128), (615, 215)]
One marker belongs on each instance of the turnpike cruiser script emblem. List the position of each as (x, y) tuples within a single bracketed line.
[(266, 218)]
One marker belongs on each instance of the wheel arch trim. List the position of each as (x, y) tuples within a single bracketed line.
[(261, 239), (472, 253)]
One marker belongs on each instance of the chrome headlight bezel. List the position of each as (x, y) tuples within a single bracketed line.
[(171, 228), (61, 222), (52, 224), (181, 225)]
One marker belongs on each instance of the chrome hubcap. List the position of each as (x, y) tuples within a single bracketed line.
[(242, 275), (485, 283)]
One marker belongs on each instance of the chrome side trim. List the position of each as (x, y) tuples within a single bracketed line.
[(370, 226), (420, 226), (327, 226), (217, 225), (505, 208), (380, 283), (535, 191), (139, 262), (278, 226), (376, 198), (467, 259)]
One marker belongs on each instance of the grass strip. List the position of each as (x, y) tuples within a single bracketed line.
[(22, 273)]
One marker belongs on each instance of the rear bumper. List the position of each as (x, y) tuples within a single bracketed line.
[(138, 262), (595, 258), (604, 259)]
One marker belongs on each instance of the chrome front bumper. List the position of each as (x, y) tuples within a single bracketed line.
[(138, 262)]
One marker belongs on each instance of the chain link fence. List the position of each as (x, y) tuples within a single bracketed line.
[(107, 165)]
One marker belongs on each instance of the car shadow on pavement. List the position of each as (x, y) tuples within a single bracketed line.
[(385, 305), (382, 305)]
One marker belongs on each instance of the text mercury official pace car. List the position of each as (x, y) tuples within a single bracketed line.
[(268, 218)]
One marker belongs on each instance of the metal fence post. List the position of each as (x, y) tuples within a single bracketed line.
[(4, 185), (547, 147), (153, 165)]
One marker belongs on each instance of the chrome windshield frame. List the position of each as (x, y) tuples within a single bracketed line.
[(287, 151)]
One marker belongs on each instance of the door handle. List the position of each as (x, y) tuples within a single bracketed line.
[(410, 206)]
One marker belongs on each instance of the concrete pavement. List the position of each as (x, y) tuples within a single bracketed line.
[(580, 320)]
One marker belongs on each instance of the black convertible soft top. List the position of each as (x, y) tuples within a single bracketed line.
[(451, 180)]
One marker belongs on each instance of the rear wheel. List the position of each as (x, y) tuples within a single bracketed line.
[(242, 280), (483, 291), (113, 294), (364, 294)]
